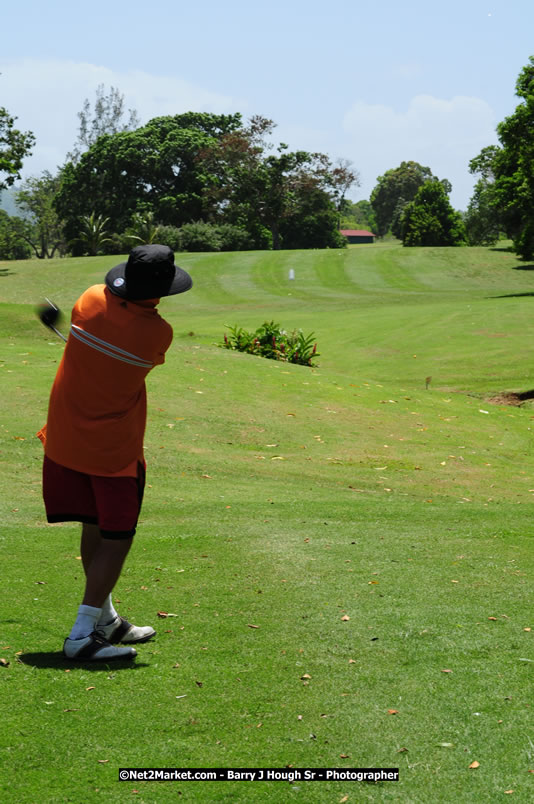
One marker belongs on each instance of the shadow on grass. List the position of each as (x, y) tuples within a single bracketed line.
[(513, 295), (529, 267), (56, 660), (6, 272)]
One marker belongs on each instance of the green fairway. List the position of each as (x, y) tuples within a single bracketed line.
[(344, 553)]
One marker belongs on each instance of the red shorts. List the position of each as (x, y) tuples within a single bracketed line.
[(112, 503)]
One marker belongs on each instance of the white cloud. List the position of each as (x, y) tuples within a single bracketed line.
[(440, 134), (47, 95)]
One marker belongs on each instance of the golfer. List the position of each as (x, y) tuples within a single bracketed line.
[(94, 469)]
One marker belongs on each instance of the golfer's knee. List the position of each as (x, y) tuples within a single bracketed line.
[(116, 547)]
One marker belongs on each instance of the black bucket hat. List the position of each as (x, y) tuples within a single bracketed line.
[(150, 273)]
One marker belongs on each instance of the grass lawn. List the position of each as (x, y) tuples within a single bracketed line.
[(345, 553)]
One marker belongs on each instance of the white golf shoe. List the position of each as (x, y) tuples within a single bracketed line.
[(95, 648), (120, 630)]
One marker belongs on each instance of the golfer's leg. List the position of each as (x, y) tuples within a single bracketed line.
[(104, 570), (90, 542)]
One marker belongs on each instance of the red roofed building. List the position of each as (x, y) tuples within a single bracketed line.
[(358, 235)]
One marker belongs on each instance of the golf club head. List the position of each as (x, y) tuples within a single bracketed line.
[(48, 313)]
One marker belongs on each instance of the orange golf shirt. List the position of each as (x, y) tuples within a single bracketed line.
[(97, 409)]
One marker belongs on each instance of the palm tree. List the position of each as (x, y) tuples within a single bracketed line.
[(143, 229), (93, 233)]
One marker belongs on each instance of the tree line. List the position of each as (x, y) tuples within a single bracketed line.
[(200, 181), (195, 181)]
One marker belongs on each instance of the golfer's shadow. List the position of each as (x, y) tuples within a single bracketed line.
[(57, 661)]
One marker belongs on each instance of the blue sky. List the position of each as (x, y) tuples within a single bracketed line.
[(373, 83)]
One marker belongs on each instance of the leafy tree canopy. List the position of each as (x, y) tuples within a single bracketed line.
[(483, 222), (398, 184), (12, 245), (107, 117), (430, 220), (15, 145), (513, 166), (259, 189), (42, 228), (155, 167)]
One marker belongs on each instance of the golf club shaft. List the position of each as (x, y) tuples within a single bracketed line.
[(63, 338)]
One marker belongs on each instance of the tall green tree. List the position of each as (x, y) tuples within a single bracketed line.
[(430, 220), (12, 245), (42, 227), (513, 167), (483, 223), (155, 168), (108, 116), (15, 145), (396, 185), (259, 189), (313, 222)]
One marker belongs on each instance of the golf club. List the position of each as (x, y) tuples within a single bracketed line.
[(49, 315)]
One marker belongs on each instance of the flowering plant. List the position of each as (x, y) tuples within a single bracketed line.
[(274, 343)]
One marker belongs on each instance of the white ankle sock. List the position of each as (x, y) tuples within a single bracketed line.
[(108, 612), (85, 622)]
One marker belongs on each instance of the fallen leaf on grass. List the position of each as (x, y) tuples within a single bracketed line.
[(344, 756), (402, 750), (305, 677), (342, 800), (4, 662), (252, 626), (345, 618), (446, 671), (90, 688), (393, 711), (103, 761), (474, 765), (71, 710)]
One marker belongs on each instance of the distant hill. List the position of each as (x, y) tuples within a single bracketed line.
[(7, 201)]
